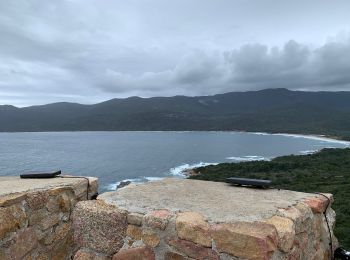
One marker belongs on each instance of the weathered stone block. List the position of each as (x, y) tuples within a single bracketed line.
[(49, 221), (66, 201), (11, 199), (88, 255), (317, 204), (138, 253), (37, 216), (37, 199), (11, 218), (80, 187), (173, 256), (43, 256), (57, 234), (306, 212), (193, 227), (157, 219), (134, 232), (150, 238), (254, 240), (194, 250), (61, 250), (304, 223), (285, 230), (135, 219), (25, 240), (59, 190), (99, 226), (93, 186), (2, 254), (52, 205)]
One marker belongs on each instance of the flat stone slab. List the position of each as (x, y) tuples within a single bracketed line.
[(218, 202), (14, 184)]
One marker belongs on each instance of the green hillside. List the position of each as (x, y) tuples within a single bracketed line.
[(269, 110)]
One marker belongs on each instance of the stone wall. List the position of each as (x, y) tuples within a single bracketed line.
[(124, 225), (169, 219), (36, 216)]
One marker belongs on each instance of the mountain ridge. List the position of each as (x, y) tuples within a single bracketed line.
[(270, 110)]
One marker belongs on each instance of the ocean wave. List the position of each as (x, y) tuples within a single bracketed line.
[(179, 170), (260, 133), (114, 186), (306, 152), (150, 179), (248, 158)]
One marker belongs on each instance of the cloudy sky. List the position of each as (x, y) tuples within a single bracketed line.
[(91, 50)]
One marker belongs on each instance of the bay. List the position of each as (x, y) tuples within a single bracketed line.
[(143, 156)]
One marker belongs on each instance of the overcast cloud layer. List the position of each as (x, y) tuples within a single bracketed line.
[(91, 50)]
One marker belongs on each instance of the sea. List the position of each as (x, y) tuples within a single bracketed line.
[(140, 157)]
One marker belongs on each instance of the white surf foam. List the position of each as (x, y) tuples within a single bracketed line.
[(179, 170), (260, 133), (248, 158), (150, 179), (306, 152), (113, 186)]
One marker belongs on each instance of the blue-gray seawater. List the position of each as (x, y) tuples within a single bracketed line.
[(142, 156)]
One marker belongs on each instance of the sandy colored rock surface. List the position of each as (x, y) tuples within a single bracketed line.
[(157, 219), (14, 184), (255, 241), (139, 253), (86, 255), (218, 202), (11, 219), (93, 222), (193, 227), (150, 238), (286, 232), (194, 250)]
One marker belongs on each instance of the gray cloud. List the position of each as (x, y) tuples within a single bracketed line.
[(253, 66), (88, 50)]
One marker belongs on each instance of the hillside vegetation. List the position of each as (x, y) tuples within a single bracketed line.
[(270, 110), (326, 171)]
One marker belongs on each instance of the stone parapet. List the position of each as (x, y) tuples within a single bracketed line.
[(190, 219), (36, 216)]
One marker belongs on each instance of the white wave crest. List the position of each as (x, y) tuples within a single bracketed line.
[(306, 152), (113, 186), (248, 158), (260, 133), (179, 170), (150, 179)]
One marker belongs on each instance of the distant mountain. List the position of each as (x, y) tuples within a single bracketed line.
[(270, 110)]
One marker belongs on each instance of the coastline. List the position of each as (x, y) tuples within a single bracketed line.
[(189, 170), (325, 138), (310, 136)]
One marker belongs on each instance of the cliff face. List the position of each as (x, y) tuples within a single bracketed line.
[(189, 219), (35, 216)]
